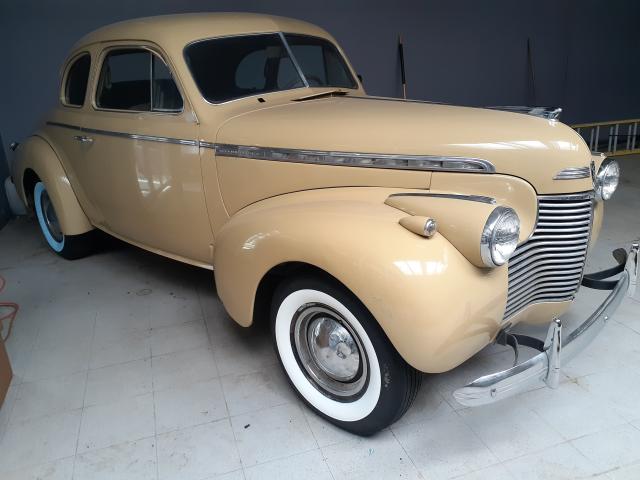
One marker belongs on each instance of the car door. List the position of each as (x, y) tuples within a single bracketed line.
[(63, 129), (142, 162)]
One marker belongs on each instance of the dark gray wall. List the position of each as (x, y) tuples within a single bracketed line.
[(4, 204), (585, 52)]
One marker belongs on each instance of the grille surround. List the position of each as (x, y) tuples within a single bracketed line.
[(549, 265)]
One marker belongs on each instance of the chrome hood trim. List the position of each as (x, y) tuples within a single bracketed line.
[(357, 159)]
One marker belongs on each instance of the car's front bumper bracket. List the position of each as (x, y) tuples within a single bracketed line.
[(556, 349)]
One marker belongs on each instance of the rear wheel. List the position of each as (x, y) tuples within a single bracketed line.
[(337, 357), (67, 246)]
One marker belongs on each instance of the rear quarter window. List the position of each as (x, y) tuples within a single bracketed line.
[(75, 86)]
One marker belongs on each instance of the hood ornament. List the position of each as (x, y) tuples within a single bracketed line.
[(550, 113)]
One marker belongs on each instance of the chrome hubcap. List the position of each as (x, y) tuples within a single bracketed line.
[(330, 352), (50, 217)]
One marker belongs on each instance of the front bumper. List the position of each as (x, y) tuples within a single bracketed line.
[(557, 348)]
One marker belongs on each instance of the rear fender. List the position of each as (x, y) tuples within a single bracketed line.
[(36, 158)]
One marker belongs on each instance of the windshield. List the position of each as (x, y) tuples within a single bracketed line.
[(320, 62), (233, 67)]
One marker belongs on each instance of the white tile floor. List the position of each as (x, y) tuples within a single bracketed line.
[(127, 367)]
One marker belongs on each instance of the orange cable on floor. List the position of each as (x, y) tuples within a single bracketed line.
[(11, 316)]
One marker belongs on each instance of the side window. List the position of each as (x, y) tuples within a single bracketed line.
[(125, 81), (136, 80), (75, 86), (165, 96)]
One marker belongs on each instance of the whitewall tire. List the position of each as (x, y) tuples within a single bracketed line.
[(67, 246), (336, 356)]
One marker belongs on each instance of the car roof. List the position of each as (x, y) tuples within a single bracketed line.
[(178, 30)]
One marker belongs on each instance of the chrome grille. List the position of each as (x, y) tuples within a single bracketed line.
[(548, 267)]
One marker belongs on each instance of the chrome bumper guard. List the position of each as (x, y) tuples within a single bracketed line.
[(557, 348)]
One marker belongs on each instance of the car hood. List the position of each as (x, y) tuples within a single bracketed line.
[(532, 148)]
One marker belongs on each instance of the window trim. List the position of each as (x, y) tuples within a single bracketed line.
[(281, 34), (65, 76), (153, 51)]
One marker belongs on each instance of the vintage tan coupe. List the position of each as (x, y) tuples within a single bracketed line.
[(383, 238)]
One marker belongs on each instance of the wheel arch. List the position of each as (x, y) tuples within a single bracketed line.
[(37, 161), (29, 180), (272, 279)]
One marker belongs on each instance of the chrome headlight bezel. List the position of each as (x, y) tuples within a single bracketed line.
[(497, 220), (607, 179)]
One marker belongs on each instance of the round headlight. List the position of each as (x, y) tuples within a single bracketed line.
[(607, 179), (499, 236)]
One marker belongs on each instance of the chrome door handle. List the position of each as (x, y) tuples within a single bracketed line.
[(83, 138)]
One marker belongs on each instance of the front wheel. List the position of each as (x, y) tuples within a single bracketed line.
[(337, 357), (67, 246)]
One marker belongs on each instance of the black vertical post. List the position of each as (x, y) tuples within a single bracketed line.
[(402, 72), (532, 76)]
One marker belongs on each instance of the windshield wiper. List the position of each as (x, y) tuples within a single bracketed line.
[(328, 93)]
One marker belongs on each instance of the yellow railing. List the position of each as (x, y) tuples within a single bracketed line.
[(616, 137)]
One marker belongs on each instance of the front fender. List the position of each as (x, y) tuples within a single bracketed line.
[(434, 305), (36, 155)]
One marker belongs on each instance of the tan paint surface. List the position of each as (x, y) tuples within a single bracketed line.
[(506, 190), (461, 224), (268, 179)]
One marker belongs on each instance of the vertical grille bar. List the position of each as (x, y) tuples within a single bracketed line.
[(548, 267)]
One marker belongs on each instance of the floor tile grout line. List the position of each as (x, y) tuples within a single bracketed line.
[(548, 424), (36, 465), (30, 354), (589, 461), (180, 429), (625, 326), (404, 449), (151, 355), (479, 470), (206, 330), (224, 393), (224, 396), (324, 457), (477, 436), (284, 457), (303, 409), (185, 385), (84, 396), (235, 443), (538, 450), (155, 421), (44, 416)]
